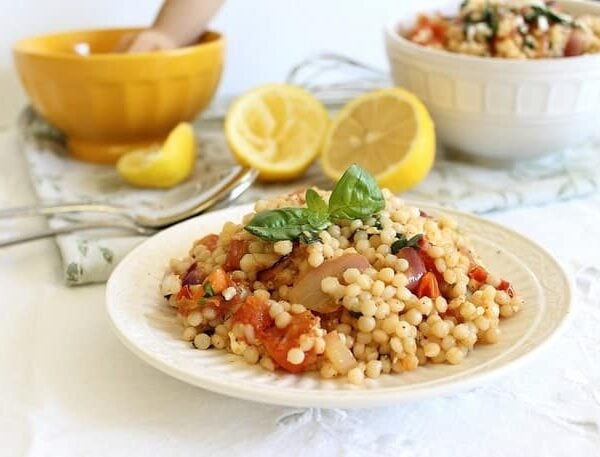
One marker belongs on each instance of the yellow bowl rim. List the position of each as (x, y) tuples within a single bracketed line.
[(20, 47)]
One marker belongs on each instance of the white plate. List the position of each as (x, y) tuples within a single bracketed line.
[(148, 327)]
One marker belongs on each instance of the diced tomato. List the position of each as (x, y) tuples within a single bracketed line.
[(478, 273), (428, 286), (255, 312), (210, 241), (278, 341), (507, 287), (429, 262), (220, 305), (237, 249), (188, 298), (435, 28), (423, 243), (218, 280), (439, 31), (184, 292)]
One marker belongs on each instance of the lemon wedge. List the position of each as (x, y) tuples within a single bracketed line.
[(277, 129), (164, 167), (388, 132)]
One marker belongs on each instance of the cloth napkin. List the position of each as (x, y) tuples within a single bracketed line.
[(90, 257)]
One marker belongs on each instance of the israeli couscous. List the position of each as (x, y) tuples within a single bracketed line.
[(351, 283), (517, 29)]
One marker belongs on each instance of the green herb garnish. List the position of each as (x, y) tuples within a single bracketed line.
[(490, 17), (529, 42), (538, 11), (315, 202), (403, 242), (355, 196), (286, 224), (208, 290)]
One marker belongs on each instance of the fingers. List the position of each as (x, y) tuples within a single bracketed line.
[(145, 41), (125, 42)]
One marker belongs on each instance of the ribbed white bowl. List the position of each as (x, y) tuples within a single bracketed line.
[(502, 109), (148, 327)]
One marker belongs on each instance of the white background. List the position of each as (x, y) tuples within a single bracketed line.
[(264, 37)]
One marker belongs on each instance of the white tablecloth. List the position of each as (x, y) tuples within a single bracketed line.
[(68, 387)]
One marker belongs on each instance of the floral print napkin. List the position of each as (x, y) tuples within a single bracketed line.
[(90, 257)]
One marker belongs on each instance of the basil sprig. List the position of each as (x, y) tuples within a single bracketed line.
[(355, 196)]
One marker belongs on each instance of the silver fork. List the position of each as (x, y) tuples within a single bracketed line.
[(143, 221)]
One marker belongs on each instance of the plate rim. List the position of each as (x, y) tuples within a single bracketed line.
[(359, 398)]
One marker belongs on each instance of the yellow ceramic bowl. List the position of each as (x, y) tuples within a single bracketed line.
[(108, 103)]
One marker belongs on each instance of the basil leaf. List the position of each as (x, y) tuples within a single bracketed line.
[(318, 221), (355, 196), (285, 224), (403, 242), (413, 242), (398, 245), (315, 202), (208, 290)]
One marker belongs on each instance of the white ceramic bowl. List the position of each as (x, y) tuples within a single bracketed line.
[(502, 109)]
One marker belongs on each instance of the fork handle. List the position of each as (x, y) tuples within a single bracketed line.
[(47, 233), (50, 209)]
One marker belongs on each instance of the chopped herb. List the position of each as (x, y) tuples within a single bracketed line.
[(202, 301), (490, 17), (208, 290), (308, 237), (529, 42), (377, 223), (403, 242), (537, 11)]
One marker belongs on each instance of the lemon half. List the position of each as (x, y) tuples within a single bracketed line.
[(277, 129), (388, 132)]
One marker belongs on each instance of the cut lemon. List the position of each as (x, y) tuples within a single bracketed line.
[(277, 129), (164, 167), (388, 132)]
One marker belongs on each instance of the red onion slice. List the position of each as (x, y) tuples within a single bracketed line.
[(416, 267)]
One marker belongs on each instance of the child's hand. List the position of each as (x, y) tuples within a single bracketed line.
[(146, 41), (179, 23)]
